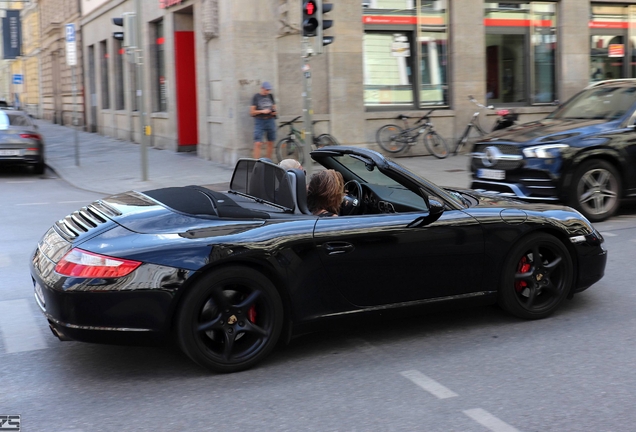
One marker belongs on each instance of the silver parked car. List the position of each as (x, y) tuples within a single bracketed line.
[(20, 141)]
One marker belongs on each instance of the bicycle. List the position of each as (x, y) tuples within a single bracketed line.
[(292, 146), (506, 119), (394, 139)]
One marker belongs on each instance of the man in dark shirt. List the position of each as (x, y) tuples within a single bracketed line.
[(263, 110)]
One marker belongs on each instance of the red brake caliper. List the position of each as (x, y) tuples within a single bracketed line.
[(251, 314), (523, 267)]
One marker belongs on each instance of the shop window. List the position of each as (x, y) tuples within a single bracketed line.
[(159, 79), (104, 74), (612, 41), (120, 52), (405, 53), (521, 43)]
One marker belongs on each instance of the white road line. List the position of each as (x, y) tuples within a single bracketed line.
[(21, 181), (30, 204), (608, 234), (428, 384), (489, 421), (18, 328)]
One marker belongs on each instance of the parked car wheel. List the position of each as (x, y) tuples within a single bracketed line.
[(596, 189), (536, 278), (39, 168), (230, 320)]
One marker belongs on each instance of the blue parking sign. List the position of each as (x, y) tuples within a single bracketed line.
[(70, 32), (18, 78)]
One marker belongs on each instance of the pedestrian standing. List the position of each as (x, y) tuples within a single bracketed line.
[(263, 110)]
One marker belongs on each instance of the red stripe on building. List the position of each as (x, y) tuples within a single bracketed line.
[(608, 25)]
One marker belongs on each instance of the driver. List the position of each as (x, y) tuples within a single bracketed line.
[(325, 193)]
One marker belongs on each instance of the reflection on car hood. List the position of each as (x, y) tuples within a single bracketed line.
[(487, 200), (549, 131)]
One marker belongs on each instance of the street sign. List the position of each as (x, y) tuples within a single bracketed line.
[(18, 78), (71, 50)]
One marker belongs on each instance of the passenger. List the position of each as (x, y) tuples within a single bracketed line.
[(325, 193), (288, 164)]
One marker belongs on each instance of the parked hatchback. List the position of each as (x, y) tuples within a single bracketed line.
[(20, 141), (583, 154)]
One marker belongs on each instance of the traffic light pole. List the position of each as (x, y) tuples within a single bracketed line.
[(308, 134), (140, 91)]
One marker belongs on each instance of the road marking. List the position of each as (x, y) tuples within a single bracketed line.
[(20, 181), (30, 204), (428, 384), (18, 328), (489, 421), (608, 234)]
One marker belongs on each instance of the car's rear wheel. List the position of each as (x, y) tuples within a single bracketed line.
[(537, 276), (39, 168), (230, 320), (596, 189)]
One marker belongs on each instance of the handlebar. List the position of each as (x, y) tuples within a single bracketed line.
[(289, 123)]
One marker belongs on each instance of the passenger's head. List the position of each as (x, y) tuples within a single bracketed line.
[(325, 191), (288, 164)]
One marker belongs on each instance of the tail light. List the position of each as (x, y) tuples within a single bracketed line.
[(32, 136), (503, 112), (80, 263)]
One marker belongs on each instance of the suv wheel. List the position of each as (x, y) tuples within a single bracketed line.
[(596, 190)]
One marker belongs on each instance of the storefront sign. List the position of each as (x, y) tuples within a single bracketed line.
[(616, 50), (12, 34), (163, 4)]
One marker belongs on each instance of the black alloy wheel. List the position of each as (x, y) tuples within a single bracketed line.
[(537, 277), (230, 320), (596, 190)]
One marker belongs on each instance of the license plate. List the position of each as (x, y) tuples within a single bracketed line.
[(9, 152), (491, 174)]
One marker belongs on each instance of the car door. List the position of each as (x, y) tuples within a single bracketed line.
[(379, 260)]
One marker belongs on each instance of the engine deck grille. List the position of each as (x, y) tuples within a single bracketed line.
[(84, 220)]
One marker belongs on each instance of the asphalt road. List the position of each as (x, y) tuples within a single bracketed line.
[(467, 370)]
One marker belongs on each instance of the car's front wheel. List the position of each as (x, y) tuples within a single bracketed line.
[(230, 320), (596, 189), (536, 278)]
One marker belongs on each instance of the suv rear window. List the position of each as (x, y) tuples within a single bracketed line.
[(599, 103)]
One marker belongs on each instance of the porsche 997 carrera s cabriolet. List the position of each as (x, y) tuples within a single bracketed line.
[(229, 274)]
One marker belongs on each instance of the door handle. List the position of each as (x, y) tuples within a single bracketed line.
[(335, 248)]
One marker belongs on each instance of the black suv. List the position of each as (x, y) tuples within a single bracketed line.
[(583, 154)]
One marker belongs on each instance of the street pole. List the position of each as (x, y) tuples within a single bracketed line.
[(140, 85), (76, 137), (308, 134)]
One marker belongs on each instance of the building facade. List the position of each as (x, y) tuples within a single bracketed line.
[(203, 60), (58, 104)]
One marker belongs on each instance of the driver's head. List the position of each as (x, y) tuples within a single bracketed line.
[(325, 191)]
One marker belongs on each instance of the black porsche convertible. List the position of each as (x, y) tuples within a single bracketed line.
[(229, 274)]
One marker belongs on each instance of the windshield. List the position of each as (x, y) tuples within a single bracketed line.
[(602, 103)]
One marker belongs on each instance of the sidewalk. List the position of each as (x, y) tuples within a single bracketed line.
[(110, 166)]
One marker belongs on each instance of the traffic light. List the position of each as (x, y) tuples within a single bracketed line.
[(119, 35), (310, 18), (128, 34), (323, 24)]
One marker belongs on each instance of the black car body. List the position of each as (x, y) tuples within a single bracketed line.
[(20, 141), (232, 272), (583, 154)]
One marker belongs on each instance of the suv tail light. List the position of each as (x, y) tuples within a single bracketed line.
[(32, 136), (80, 263)]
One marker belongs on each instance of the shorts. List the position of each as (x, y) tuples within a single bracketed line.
[(264, 126)]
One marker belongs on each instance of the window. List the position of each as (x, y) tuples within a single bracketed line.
[(612, 42), (159, 84), (104, 74), (119, 75), (405, 53), (520, 52)]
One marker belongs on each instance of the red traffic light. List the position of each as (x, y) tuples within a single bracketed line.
[(310, 7)]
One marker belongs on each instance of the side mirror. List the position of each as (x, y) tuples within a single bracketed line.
[(435, 211)]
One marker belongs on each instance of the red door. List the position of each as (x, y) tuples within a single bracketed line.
[(185, 66)]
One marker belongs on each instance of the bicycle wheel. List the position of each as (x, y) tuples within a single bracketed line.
[(289, 149), (390, 138), (435, 144), (325, 140)]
